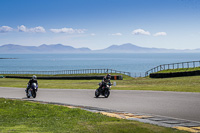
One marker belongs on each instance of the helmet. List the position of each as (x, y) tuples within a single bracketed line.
[(34, 77), (108, 76)]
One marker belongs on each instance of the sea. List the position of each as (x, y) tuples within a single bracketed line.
[(136, 64)]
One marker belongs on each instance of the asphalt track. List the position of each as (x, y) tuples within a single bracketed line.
[(181, 105)]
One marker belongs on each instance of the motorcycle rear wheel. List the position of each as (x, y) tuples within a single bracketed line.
[(27, 95)]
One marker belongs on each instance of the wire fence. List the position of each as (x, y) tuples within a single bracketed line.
[(190, 64), (80, 71)]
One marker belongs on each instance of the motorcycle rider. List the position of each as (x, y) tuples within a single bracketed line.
[(106, 79), (108, 76), (32, 80)]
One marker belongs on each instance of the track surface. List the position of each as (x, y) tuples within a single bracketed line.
[(182, 105)]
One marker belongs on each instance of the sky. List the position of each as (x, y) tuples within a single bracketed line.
[(98, 24)]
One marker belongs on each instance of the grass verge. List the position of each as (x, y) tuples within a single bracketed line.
[(180, 70), (181, 84), (24, 116)]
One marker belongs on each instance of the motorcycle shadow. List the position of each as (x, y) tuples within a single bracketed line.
[(27, 98), (100, 97)]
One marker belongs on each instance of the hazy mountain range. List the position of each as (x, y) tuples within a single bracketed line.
[(59, 48)]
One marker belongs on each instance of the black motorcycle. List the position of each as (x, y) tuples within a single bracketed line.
[(104, 90), (32, 91)]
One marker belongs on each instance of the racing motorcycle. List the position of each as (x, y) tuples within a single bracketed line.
[(32, 91), (104, 90)]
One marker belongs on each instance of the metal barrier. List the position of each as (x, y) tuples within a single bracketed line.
[(80, 71), (138, 74), (115, 77), (190, 64)]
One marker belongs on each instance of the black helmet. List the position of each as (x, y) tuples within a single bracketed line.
[(108, 76)]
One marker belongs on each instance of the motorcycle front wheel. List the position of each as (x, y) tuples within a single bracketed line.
[(97, 93), (34, 94), (106, 93)]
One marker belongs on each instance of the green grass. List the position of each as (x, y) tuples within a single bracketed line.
[(23, 116), (181, 84), (179, 70)]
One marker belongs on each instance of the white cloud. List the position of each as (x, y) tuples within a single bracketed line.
[(4, 29), (22, 28), (68, 30), (140, 32), (117, 34), (92, 34), (38, 29), (160, 34)]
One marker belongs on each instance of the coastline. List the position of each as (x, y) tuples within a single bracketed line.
[(8, 58)]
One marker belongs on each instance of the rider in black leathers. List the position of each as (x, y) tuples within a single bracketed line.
[(106, 79), (32, 80)]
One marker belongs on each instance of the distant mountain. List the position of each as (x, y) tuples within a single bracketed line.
[(54, 48), (59, 48), (131, 48)]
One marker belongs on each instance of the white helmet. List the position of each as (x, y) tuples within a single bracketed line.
[(34, 77)]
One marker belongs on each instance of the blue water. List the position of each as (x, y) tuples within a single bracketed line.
[(134, 63)]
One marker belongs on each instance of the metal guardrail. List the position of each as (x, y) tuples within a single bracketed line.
[(190, 64), (138, 74), (80, 71)]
